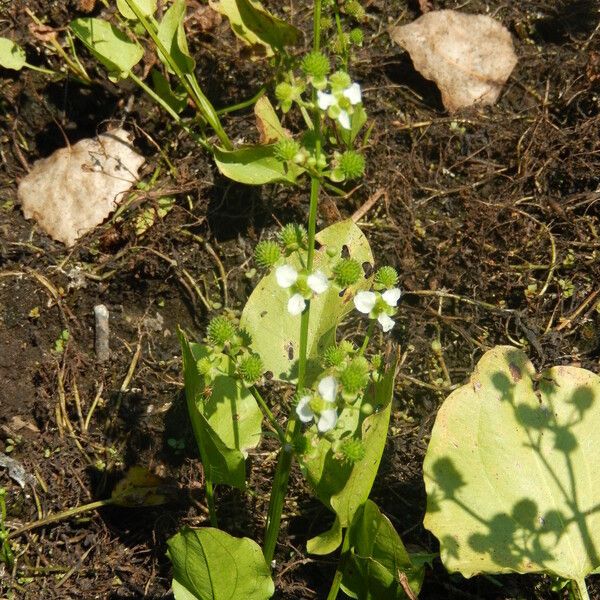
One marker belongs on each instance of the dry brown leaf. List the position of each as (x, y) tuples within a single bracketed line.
[(425, 6), (468, 56), (76, 188)]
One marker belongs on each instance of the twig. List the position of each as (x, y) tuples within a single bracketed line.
[(366, 207)]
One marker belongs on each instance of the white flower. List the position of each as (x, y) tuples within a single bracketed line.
[(296, 304), (286, 276), (317, 282), (331, 103), (378, 306), (327, 389), (365, 302)]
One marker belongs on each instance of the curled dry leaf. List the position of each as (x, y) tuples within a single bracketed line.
[(76, 188), (468, 56)]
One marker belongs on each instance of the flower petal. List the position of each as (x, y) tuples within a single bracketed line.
[(296, 304), (365, 301), (386, 322), (324, 100), (328, 387), (286, 276), (391, 296), (305, 414), (344, 120), (317, 282), (327, 420), (353, 94)]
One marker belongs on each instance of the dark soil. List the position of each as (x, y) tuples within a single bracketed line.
[(498, 206)]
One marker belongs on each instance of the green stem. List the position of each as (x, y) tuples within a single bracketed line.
[(579, 589), (282, 473), (244, 104), (267, 412), (367, 337), (337, 578), (188, 80), (210, 501)]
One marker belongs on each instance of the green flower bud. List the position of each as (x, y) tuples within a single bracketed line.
[(386, 277), (339, 81), (204, 366), (267, 253), (339, 43), (326, 22), (347, 346), (251, 368), (220, 331), (354, 9), (293, 237), (284, 92), (315, 64), (355, 376), (352, 164), (334, 356), (347, 272), (356, 37), (286, 149), (377, 361), (352, 450)]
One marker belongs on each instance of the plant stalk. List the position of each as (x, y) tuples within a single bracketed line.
[(579, 589), (337, 578), (210, 501)]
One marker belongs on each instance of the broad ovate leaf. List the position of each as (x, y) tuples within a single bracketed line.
[(267, 122), (342, 485), (276, 333), (12, 56), (146, 7), (225, 417), (257, 27), (171, 34), (512, 471), (109, 45), (253, 165), (378, 565), (468, 56), (328, 541), (209, 564)]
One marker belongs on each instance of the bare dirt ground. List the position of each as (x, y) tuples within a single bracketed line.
[(498, 207)]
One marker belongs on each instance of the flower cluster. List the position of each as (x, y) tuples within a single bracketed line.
[(302, 285), (320, 406), (379, 306), (340, 103)]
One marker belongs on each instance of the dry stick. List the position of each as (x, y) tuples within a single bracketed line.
[(441, 294), (403, 580), (567, 321), (366, 207), (88, 418)]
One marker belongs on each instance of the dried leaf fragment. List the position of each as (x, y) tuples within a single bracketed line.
[(76, 188), (468, 56)]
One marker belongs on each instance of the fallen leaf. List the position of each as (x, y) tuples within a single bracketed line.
[(468, 56), (76, 188)]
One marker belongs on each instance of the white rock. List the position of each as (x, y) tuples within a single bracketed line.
[(76, 188)]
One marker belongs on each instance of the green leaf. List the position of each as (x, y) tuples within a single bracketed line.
[(177, 99), (209, 564), (513, 472), (257, 27), (225, 417), (252, 165), (12, 56), (377, 559), (109, 45), (341, 485), (328, 541), (171, 33), (146, 7), (276, 334)]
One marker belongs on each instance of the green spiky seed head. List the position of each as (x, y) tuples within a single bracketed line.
[(267, 253), (356, 37), (347, 272), (386, 276), (339, 81), (326, 22), (355, 376), (334, 356), (204, 366), (221, 331), (286, 149), (347, 346), (352, 164), (315, 64), (339, 43), (284, 92), (294, 237), (377, 361), (251, 368), (354, 9), (352, 450)]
